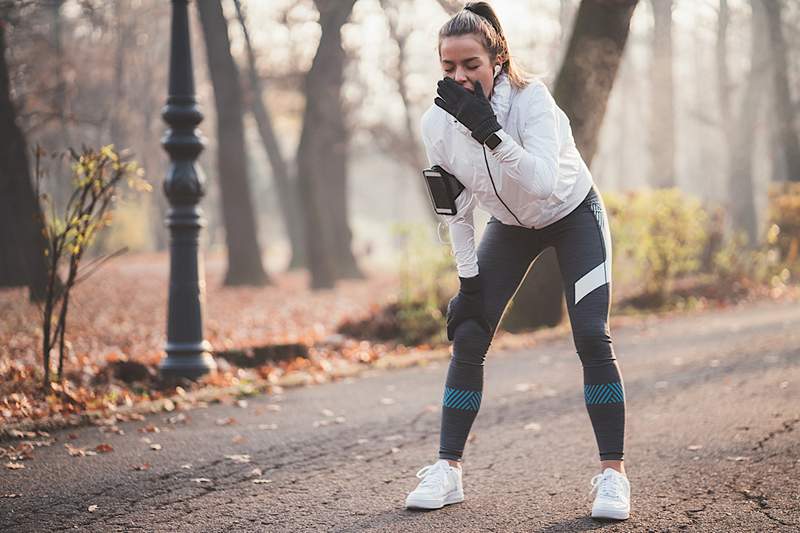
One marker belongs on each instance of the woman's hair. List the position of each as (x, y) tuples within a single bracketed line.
[(480, 19)]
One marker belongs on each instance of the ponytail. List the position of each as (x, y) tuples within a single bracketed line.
[(479, 18)]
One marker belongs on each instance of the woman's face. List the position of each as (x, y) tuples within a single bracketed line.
[(464, 58)]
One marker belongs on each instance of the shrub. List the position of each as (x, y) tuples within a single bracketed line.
[(427, 281), (784, 224), (69, 232), (661, 234)]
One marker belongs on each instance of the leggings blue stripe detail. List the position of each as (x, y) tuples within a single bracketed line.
[(604, 393), (458, 399), (462, 399)]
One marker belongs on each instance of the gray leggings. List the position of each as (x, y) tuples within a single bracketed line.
[(582, 242)]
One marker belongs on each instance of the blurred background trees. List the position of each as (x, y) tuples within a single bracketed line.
[(314, 151)]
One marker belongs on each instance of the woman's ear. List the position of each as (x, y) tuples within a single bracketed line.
[(497, 69)]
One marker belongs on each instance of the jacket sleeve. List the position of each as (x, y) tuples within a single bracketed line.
[(535, 166), (461, 225)]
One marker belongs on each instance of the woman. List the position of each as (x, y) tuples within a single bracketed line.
[(505, 139)]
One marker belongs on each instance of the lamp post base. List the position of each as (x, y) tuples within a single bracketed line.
[(187, 360)]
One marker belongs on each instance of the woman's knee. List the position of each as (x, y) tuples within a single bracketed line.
[(594, 347), (471, 342)]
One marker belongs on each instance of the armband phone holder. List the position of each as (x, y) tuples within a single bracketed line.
[(443, 189)]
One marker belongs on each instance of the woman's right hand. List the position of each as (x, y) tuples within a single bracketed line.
[(466, 305)]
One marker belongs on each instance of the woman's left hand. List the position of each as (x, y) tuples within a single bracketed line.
[(473, 110)]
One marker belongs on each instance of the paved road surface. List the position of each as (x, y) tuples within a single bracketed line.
[(713, 444)]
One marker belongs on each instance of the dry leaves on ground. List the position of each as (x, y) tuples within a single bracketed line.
[(116, 335)]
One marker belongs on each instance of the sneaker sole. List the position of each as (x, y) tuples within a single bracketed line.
[(611, 514), (414, 503)]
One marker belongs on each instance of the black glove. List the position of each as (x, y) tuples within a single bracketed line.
[(467, 304), (472, 110)]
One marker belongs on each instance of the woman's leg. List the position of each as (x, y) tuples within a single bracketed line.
[(583, 246), (504, 255)]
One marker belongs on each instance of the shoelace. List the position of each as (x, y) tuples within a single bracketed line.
[(608, 486), (429, 476)]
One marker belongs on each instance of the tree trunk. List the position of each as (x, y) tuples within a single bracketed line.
[(322, 154), (723, 76), (784, 110), (241, 234), (116, 128), (22, 241), (287, 189), (582, 90), (741, 193), (662, 124)]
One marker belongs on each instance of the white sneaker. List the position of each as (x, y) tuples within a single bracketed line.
[(441, 485), (613, 499)]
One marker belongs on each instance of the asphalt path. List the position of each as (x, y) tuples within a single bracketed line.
[(712, 444)]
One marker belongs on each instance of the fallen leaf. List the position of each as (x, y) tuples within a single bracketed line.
[(149, 428), (228, 421), (242, 458), (168, 405), (145, 466), (242, 404), (10, 495), (201, 480), (14, 466), (103, 448), (75, 451), (261, 481), (92, 508), (327, 412), (694, 447), (187, 466), (155, 447), (737, 458), (533, 426), (176, 419)]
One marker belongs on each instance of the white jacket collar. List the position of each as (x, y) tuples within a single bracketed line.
[(501, 98)]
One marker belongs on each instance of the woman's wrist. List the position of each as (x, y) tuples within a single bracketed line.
[(470, 285)]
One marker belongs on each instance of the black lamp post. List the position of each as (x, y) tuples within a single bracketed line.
[(188, 354)]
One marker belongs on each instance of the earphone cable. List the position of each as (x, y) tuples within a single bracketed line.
[(486, 159)]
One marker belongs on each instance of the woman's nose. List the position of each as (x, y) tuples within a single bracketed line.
[(460, 76)]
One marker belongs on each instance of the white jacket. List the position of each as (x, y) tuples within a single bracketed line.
[(536, 169)]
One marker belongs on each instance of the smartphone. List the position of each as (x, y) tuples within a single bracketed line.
[(443, 189)]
